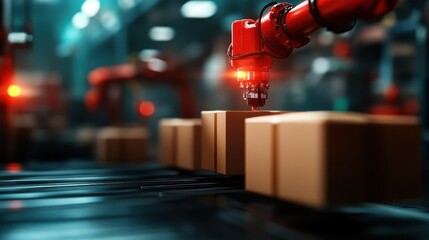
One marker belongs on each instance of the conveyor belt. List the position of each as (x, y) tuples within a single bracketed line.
[(150, 202)]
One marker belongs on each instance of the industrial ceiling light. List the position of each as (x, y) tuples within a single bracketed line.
[(198, 9), (321, 65), (110, 20), (159, 33), (157, 65), (80, 20), (126, 4), (91, 7), (19, 37), (147, 54)]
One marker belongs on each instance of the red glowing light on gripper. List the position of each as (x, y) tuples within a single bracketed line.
[(241, 74), (146, 108), (256, 75), (14, 167), (229, 76), (14, 91)]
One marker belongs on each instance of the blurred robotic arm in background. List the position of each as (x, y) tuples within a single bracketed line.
[(102, 78)]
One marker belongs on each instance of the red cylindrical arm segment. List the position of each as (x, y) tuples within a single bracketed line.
[(105, 75), (301, 23)]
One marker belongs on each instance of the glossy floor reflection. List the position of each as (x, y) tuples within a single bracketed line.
[(150, 202)]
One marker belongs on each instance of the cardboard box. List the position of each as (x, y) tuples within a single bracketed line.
[(179, 141), (208, 140), (223, 139), (321, 158), (107, 146), (122, 145), (134, 145), (261, 154), (230, 139), (167, 141), (396, 172), (188, 148)]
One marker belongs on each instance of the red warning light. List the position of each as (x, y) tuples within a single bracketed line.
[(14, 91), (14, 168), (146, 108)]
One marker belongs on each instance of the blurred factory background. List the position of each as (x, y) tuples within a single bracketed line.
[(73, 72), (69, 67)]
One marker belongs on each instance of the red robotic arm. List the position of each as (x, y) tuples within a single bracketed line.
[(285, 27), (104, 77)]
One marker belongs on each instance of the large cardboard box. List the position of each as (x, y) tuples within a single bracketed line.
[(208, 140), (188, 148), (167, 134), (122, 145), (180, 143), (396, 165), (223, 139), (261, 154)]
